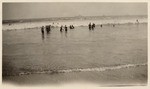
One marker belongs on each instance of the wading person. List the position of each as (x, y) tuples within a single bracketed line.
[(89, 26), (113, 25), (61, 28), (93, 26), (66, 28), (101, 25), (72, 27), (137, 21), (42, 29)]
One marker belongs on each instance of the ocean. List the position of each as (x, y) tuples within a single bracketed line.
[(105, 56)]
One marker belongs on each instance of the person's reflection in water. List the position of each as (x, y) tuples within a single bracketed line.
[(43, 37), (48, 34), (66, 29), (66, 34)]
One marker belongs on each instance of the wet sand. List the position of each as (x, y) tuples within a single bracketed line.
[(29, 51)]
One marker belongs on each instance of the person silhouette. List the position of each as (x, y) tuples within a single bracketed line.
[(61, 28), (42, 29), (70, 26), (137, 21), (89, 26), (93, 26), (101, 25), (66, 29), (113, 25)]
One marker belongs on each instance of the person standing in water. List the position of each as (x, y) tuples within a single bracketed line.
[(66, 29), (48, 29), (101, 25), (93, 26), (113, 25), (70, 26), (137, 21), (89, 26), (61, 28), (42, 29)]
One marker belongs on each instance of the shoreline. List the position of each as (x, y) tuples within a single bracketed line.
[(136, 76)]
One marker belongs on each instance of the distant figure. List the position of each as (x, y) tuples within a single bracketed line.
[(93, 26), (42, 29), (101, 25), (72, 27), (9, 24), (66, 29), (137, 21), (61, 28), (89, 26), (113, 25), (48, 28)]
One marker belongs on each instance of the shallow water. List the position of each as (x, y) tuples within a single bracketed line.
[(30, 51)]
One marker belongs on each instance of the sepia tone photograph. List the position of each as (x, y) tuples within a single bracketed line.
[(57, 43)]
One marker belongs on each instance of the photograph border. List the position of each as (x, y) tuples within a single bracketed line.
[(73, 86)]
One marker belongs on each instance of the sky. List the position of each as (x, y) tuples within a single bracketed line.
[(68, 9)]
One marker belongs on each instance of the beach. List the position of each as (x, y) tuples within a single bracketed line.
[(105, 56)]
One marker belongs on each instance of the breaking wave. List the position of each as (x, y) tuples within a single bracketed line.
[(110, 20), (98, 69)]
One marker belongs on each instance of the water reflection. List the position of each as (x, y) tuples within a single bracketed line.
[(45, 33), (66, 34), (43, 36), (48, 34), (62, 33)]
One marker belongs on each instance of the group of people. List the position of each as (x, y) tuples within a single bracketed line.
[(62, 28), (71, 27), (47, 28), (66, 28), (91, 26)]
